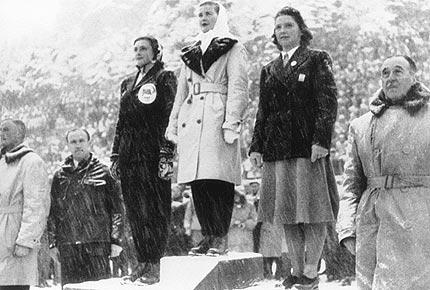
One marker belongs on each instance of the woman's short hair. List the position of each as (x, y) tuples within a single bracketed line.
[(306, 33), (156, 47), (213, 3)]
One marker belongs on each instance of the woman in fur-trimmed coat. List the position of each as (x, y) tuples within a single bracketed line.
[(206, 123), (292, 134)]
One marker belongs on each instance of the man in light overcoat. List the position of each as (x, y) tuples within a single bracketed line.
[(384, 213), (24, 207)]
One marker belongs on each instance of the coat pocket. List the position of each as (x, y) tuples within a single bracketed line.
[(218, 102), (11, 230)]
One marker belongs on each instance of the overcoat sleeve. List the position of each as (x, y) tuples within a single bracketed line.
[(354, 184), (181, 95), (36, 202), (326, 101), (259, 136), (114, 204), (237, 92), (54, 212), (119, 124), (168, 85)]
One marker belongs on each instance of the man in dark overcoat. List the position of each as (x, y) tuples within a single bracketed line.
[(85, 203)]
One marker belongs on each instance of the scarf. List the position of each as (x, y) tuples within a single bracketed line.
[(417, 97), (16, 153), (220, 30)]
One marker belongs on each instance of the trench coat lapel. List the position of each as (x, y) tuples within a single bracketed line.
[(283, 73)]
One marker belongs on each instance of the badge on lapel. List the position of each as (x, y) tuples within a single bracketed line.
[(301, 77), (293, 63), (147, 93)]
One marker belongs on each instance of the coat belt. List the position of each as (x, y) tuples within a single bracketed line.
[(11, 209), (397, 181), (199, 88)]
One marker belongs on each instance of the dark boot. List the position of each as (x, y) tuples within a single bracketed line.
[(137, 272), (305, 283), (278, 272), (152, 276), (202, 247), (267, 267), (218, 246)]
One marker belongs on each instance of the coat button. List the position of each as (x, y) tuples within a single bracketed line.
[(202, 98), (406, 150), (189, 101), (199, 121), (183, 125), (190, 80)]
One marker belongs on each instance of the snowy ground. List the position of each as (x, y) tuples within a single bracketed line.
[(262, 285)]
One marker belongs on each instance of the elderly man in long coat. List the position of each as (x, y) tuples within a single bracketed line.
[(24, 207), (385, 209)]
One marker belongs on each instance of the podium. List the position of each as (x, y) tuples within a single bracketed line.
[(231, 271)]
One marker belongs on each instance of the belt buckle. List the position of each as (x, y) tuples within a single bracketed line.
[(196, 88), (389, 181)]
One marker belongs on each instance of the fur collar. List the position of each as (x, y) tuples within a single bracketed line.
[(193, 58), (416, 98), (16, 153)]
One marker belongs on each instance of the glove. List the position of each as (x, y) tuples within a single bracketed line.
[(256, 159), (318, 152), (114, 169), (165, 168), (230, 136), (171, 137)]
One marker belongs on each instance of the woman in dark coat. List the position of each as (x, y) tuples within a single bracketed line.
[(139, 149), (292, 134)]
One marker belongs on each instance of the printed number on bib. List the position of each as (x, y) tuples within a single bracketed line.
[(147, 94)]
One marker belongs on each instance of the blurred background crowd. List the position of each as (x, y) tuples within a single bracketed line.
[(67, 74)]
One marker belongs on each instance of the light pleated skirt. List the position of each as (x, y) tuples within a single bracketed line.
[(298, 191)]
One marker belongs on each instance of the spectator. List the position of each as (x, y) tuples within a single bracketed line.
[(191, 223), (85, 205), (24, 207), (243, 221), (384, 209)]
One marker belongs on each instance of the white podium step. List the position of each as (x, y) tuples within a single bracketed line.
[(231, 271)]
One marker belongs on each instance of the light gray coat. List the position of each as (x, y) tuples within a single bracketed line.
[(391, 223), (198, 120), (24, 208)]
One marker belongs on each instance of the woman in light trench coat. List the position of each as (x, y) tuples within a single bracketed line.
[(206, 120)]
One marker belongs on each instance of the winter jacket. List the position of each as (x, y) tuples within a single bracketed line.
[(144, 113), (297, 106), (24, 208), (85, 203), (386, 199), (207, 103)]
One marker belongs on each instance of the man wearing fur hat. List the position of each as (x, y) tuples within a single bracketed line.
[(384, 213), (24, 207)]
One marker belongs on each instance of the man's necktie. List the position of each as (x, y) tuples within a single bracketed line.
[(285, 60), (139, 77)]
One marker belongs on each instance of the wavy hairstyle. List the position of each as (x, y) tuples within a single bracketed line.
[(306, 37)]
